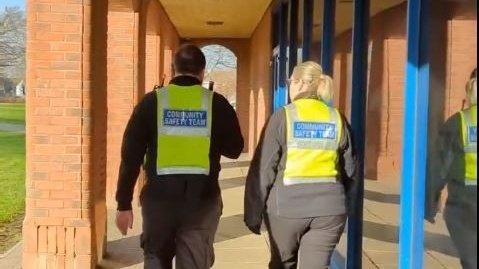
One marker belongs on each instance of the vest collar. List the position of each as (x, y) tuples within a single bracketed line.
[(185, 80)]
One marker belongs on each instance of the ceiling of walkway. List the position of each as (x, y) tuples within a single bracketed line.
[(238, 18), (215, 18), (344, 13)]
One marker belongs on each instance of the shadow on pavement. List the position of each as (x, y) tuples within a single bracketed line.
[(232, 183), (381, 197), (122, 253), (390, 233), (231, 227), (235, 164), (126, 251)]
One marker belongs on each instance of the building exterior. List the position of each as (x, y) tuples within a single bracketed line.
[(7, 87), (20, 89), (90, 62)]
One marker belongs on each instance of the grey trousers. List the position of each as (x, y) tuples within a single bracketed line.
[(303, 243), (462, 226), (185, 231)]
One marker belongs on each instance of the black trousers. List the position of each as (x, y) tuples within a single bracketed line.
[(303, 243), (181, 229), (462, 226)]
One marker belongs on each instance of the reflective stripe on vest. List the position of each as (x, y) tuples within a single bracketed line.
[(313, 135), (184, 130), (469, 131)]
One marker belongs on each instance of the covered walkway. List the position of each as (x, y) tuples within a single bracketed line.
[(90, 62)]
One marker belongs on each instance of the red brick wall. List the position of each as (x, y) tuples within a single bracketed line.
[(462, 55), (169, 42), (64, 137), (136, 39), (86, 70), (162, 41), (453, 56), (152, 70), (260, 79), (122, 59)]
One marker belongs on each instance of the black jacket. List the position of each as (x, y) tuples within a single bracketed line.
[(446, 166), (140, 138)]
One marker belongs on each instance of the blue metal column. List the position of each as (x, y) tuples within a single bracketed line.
[(275, 27), (358, 124), (308, 7), (329, 22), (293, 35), (413, 183), (283, 39)]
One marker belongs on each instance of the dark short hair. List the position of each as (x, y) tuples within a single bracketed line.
[(474, 73), (189, 59)]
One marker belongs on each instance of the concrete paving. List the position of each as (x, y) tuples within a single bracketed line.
[(11, 127), (12, 259), (381, 233), (237, 248)]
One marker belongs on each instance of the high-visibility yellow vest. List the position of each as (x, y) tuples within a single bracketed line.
[(184, 130), (469, 139), (313, 135)]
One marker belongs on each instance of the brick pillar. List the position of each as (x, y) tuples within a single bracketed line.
[(167, 63), (122, 82), (152, 70), (60, 228), (243, 92)]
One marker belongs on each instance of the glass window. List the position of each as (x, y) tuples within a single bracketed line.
[(451, 200)]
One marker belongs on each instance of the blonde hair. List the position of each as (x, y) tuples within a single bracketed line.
[(319, 84), (471, 89), (471, 92)]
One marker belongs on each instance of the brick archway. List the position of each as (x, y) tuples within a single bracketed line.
[(240, 47), (224, 75)]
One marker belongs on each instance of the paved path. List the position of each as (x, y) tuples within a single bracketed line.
[(236, 248), (12, 127), (380, 233), (12, 259)]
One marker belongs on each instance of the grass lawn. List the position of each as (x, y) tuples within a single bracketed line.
[(12, 113), (12, 175)]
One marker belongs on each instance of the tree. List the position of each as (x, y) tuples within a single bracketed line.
[(221, 65), (218, 58), (12, 42)]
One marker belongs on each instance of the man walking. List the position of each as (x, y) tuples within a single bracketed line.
[(183, 129)]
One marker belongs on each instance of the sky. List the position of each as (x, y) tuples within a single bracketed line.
[(19, 3)]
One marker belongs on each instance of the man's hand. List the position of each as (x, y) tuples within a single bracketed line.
[(124, 220)]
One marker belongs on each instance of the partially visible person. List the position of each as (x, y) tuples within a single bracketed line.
[(183, 129), (301, 173), (454, 163)]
